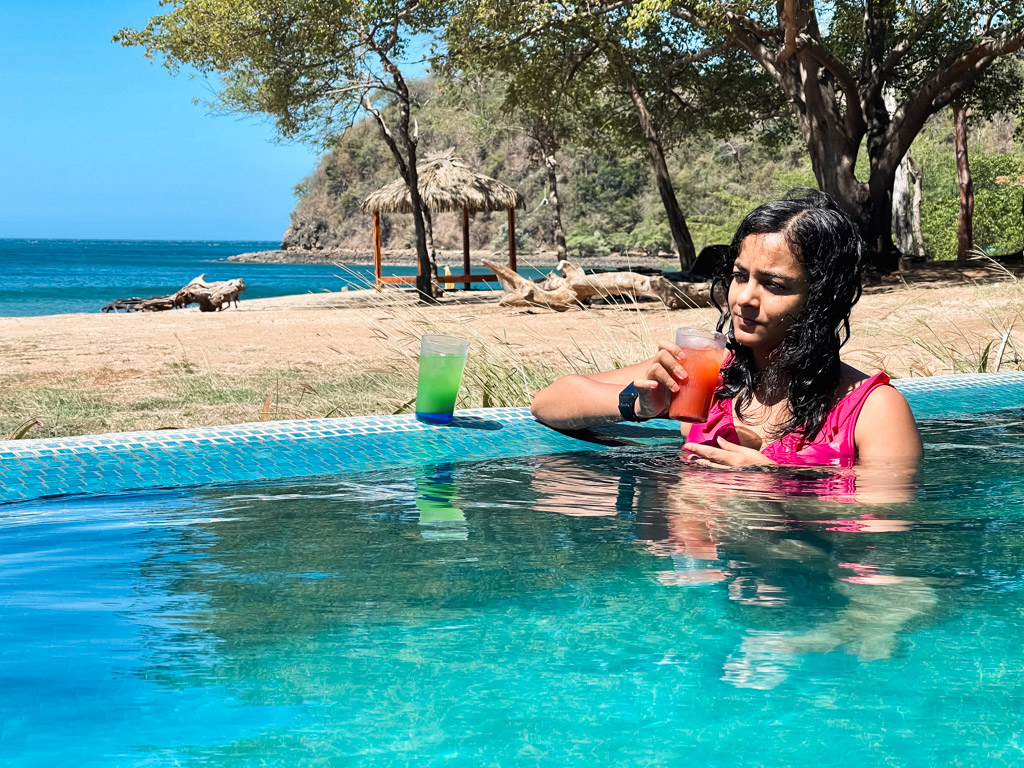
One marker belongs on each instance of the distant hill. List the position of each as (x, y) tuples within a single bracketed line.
[(609, 201)]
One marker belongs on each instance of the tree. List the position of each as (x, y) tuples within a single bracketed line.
[(965, 217), (546, 90), (647, 92), (314, 65), (836, 61), (557, 77)]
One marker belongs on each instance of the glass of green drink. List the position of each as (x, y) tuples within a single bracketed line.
[(442, 359)]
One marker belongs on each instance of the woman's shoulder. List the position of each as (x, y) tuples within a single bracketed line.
[(885, 425), (857, 389)]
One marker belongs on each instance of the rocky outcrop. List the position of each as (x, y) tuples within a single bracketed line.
[(307, 234)]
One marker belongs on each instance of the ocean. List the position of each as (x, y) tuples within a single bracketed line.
[(48, 277)]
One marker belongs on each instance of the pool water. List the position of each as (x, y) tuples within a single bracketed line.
[(598, 608)]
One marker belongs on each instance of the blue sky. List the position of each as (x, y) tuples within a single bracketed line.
[(97, 142)]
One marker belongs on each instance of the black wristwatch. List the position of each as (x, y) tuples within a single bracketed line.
[(627, 404)]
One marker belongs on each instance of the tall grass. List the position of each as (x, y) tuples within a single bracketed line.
[(502, 369), (499, 372), (955, 350)]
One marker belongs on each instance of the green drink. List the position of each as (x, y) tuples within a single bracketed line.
[(442, 360)]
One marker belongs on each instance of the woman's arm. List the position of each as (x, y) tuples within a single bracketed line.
[(886, 430), (576, 401)]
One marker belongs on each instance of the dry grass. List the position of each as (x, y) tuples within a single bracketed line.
[(984, 334), (286, 360)]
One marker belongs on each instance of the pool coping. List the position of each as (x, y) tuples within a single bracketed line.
[(129, 461)]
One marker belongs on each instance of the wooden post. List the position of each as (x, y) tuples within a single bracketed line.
[(465, 241), (512, 239), (377, 272)]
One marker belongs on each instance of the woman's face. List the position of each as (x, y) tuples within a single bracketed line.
[(768, 290)]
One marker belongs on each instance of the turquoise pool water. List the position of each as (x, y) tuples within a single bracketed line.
[(595, 608)]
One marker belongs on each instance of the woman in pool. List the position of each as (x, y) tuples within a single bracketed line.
[(791, 279)]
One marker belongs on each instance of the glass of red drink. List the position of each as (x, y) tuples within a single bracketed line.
[(704, 353)]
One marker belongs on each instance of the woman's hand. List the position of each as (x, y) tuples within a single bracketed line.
[(578, 401), (661, 379), (726, 456)]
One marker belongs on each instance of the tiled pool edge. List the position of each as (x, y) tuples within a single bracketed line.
[(276, 450)]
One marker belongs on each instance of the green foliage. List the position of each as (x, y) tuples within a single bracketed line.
[(652, 236), (999, 189), (588, 244), (997, 165), (609, 199), (313, 65)]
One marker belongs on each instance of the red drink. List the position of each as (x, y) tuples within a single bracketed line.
[(693, 400)]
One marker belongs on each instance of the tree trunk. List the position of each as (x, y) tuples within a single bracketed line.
[(428, 221), (965, 218), (903, 207), (676, 221), (426, 277), (916, 218), (833, 143), (879, 228), (406, 159), (551, 164)]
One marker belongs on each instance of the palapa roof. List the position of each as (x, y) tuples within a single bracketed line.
[(446, 184)]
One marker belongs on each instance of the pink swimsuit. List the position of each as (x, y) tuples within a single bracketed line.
[(832, 446)]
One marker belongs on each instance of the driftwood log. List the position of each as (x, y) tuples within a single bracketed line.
[(128, 305), (211, 297), (572, 287)]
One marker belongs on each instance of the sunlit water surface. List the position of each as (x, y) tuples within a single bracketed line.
[(607, 608)]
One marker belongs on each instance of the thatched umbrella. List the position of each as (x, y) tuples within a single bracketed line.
[(446, 184)]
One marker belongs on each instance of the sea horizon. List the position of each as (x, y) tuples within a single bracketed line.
[(50, 276), (55, 276)]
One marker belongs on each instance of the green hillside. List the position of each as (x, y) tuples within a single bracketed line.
[(608, 199)]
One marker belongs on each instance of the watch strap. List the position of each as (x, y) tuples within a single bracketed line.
[(627, 403)]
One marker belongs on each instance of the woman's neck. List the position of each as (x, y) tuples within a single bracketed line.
[(762, 359), (770, 391), (770, 387)]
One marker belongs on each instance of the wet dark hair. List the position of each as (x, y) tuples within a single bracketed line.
[(806, 364)]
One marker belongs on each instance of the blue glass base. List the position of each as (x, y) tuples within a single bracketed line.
[(434, 418)]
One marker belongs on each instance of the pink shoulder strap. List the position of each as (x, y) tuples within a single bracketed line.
[(843, 418)]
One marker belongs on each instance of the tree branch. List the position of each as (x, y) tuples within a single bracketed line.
[(692, 58), (955, 76), (748, 40), (855, 124), (903, 47), (389, 138), (788, 21), (601, 10)]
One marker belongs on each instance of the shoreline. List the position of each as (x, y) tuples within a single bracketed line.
[(407, 258), (931, 276)]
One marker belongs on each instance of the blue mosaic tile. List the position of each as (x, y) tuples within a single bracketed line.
[(275, 450)]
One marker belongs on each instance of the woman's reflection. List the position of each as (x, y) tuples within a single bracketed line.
[(769, 540)]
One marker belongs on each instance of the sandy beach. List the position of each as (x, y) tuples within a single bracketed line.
[(351, 353)]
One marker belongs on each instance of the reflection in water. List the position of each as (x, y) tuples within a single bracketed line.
[(436, 495), (591, 609), (764, 538)]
